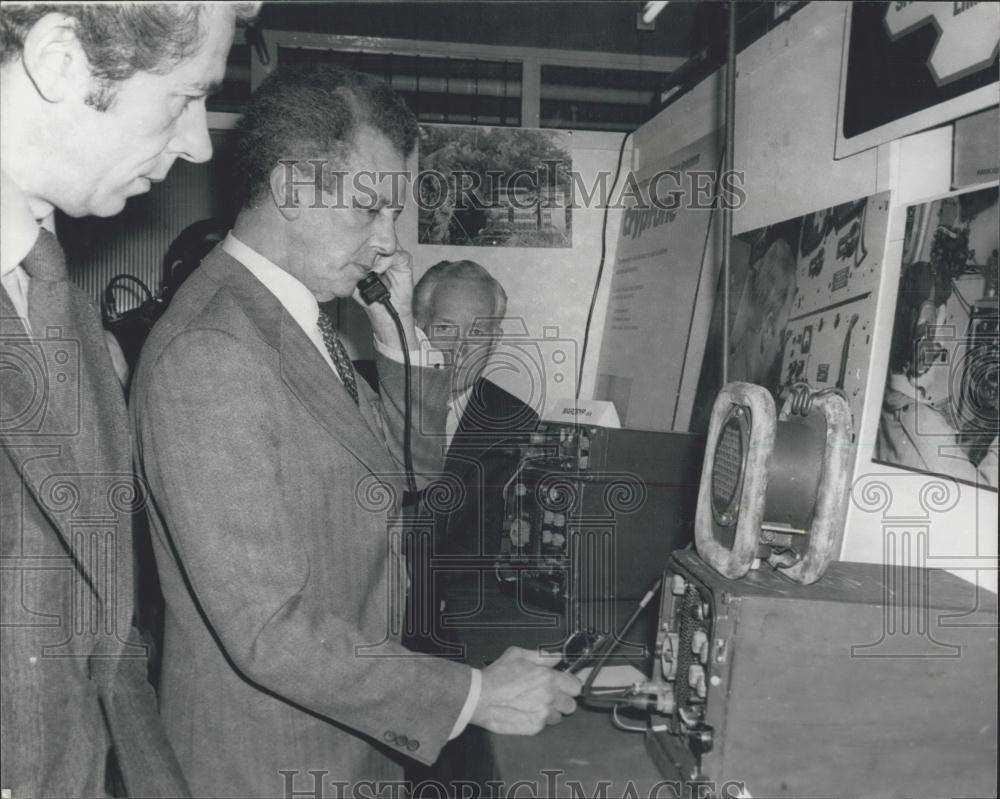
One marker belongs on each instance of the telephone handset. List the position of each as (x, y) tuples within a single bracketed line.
[(373, 289)]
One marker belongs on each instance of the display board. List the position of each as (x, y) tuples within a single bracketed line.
[(483, 186), (976, 159), (940, 403), (661, 290), (909, 66), (803, 298)]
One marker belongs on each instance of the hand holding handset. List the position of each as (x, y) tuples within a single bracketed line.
[(372, 289), (394, 271)]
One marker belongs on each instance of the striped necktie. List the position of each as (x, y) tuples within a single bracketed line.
[(338, 354)]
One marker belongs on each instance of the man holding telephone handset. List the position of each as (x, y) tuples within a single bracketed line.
[(270, 467)]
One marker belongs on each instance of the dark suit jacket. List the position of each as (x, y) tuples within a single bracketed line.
[(73, 674), (280, 564), (483, 455)]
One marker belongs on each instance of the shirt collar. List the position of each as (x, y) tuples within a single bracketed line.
[(18, 225), (292, 294)]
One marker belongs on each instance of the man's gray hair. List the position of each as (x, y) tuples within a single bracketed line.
[(312, 111), (119, 39), (467, 271)]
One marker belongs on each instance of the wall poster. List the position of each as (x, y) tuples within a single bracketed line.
[(494, 187), (939, 409), (661, 290), (912, 65), (802, 305), (976, 158)]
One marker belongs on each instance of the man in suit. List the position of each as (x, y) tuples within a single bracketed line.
[(276, 477), (460, 308), (96, 103)]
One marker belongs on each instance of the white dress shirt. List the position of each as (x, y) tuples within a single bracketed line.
[(304, 309), (456, 408), (290, 292)]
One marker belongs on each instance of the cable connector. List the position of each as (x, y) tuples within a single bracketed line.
[(654, 697)]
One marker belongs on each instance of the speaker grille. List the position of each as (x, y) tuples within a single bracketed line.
[(727, 466)]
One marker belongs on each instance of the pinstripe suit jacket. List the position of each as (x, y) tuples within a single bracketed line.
[(72, 672), (279, 563)]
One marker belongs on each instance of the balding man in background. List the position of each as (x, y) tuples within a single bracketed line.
[(460, 307)]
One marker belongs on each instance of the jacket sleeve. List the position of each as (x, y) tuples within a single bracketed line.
[(429, 393), (145, 757), (208, 443)]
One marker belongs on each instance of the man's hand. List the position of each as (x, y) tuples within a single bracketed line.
[(396, 271), (521, 693)]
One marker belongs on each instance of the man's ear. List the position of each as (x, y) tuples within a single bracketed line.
[(54, 59), (284, 195)]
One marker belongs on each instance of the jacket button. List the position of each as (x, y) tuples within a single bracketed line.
[(402, 741), (390, 736), (413, 745)]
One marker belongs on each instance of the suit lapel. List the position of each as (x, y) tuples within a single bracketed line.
[(312, 381), (27, 409), (47, 415), (475, 434), (303, 370), (465, 450)]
